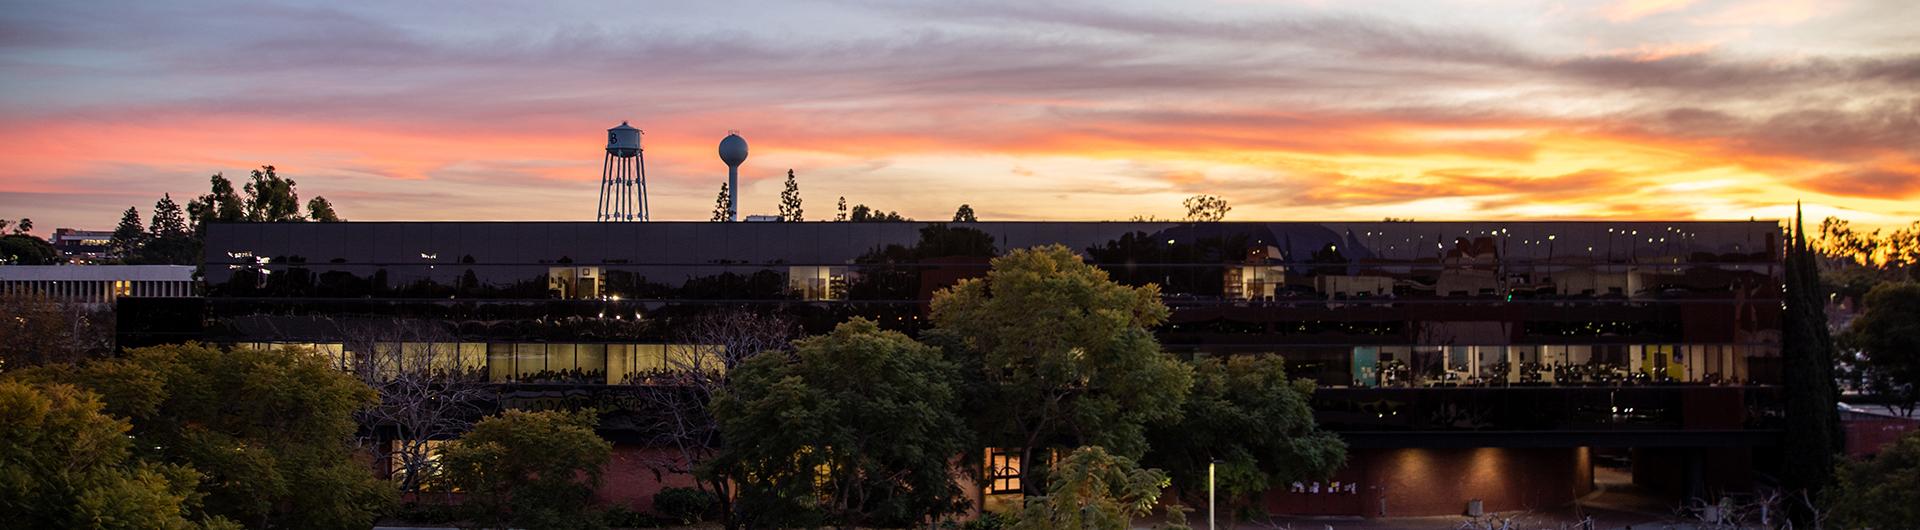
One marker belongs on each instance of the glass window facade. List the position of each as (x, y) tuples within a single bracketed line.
[(1365, 305)]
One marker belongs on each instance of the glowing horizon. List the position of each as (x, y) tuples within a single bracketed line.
[(1637, 109)]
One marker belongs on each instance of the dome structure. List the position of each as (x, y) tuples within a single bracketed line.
[(733, 149)]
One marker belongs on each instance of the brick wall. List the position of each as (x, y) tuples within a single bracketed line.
[(1417, 482), (631, 479)]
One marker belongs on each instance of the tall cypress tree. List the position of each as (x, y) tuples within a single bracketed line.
[(1813, 432), (790, 201)]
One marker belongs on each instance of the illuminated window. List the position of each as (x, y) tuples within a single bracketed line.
[(817, 283), (1003, 471), (429, 468), (574, 283), (707, 357)]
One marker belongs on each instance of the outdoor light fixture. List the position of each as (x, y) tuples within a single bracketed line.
[(1210, 489)]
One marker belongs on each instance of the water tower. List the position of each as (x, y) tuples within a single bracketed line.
[(733, 151), (623, 179)]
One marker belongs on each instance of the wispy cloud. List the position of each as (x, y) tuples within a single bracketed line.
[(1288, 111)]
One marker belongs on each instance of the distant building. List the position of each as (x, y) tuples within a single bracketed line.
[(99, 284), (81, 246)]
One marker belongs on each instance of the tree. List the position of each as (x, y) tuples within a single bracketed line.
[(1206, 208), (23, 227), (1882, 491), (863, 214), (271, 198), (1888, 334), (168, 220), (68, 465), (427, 392), (169, 240), (1093, 489), (220, 204), (721, 210), (680, 397), (790, 201), (41, 330), (272, 431), (25, 249), (860, 426), (128, 237), (1902, 250), (1055, 354), (843, 209), (534, 470), (1245, 412), (1838, 241), (964, 215), (1812, 426), (321, 210)]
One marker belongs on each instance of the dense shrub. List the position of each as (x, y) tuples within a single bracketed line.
[(415, 512), (624, 517), (534, 470), (684, 505), (986, 521)]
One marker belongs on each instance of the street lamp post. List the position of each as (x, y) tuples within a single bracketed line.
[(1210, 490)]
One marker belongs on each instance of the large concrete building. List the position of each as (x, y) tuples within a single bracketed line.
[(1495, 361)]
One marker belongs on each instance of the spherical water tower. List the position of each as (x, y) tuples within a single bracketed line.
[(623, 179), (733, 151)]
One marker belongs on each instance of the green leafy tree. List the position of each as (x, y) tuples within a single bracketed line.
[(1054, 354), (720, 204), (128, 237), (1206, 208), (320, 209), (41, 330), (272, 431), (964, 215), (790, 201), (1879, 492), (535, 470), (271, 198), (25, 249), (859, 427), (220, 204), (1245, 412), (1888, 334), (69, 465), (1093, 489), (1812, 425)]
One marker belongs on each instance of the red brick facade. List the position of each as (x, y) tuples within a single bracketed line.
[(631, 478), (1416, 482)]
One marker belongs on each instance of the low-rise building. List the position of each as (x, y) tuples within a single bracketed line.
[(99, 284)]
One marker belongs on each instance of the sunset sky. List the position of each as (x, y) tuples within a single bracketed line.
[(1320, 110)]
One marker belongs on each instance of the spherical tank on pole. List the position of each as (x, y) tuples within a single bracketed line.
[(733, 151)]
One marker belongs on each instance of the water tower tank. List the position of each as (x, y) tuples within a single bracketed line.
[(733, 149), (623, 141)]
